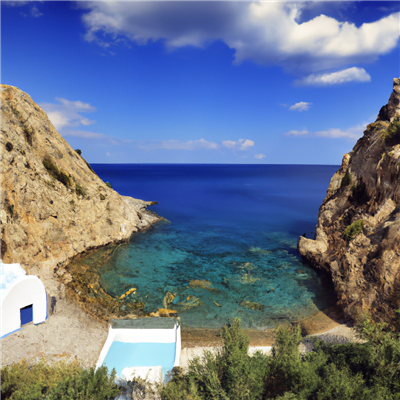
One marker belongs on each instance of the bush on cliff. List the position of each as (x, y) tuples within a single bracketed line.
[(56, 173), (392, 134), (353, 230)]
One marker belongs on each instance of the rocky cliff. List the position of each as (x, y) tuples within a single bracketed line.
[(358, 232), (53, 206)]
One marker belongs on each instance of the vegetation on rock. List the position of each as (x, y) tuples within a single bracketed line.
[(109, 185), (353, 230), (56, 173), (391, 135)]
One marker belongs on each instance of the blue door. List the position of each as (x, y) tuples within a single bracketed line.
[(26, 314)]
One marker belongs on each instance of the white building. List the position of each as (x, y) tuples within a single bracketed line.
[(23, 299)]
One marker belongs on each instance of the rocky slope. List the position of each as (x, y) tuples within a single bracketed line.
[(358, 232), (53, 206)]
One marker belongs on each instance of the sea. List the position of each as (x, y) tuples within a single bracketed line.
[(228, 245)]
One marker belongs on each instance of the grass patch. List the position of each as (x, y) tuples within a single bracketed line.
[(56, 173), (353, 230), (109, 185)]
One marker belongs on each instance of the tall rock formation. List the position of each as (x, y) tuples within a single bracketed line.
[(358, 231), (53, 206)]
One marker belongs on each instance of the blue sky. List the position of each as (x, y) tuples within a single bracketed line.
[(204, 82)]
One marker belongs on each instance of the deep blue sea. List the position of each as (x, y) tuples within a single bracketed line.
[(234, 227)]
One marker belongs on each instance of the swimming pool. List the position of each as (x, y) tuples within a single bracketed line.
[(142, 343), (123, 355)]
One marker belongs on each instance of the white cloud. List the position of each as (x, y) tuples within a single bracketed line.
[(230, 144), (83, 134), (259, 156), (67, 114), (298, 133), (178, 145), (241, 144), (265, 32), (346, 75), (301, 106), (354, 132)]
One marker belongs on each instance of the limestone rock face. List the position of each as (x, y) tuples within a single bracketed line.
[(364, 265), (53, 206)]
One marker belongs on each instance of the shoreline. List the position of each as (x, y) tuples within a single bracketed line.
[(324, 322)]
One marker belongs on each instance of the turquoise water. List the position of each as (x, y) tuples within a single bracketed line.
[(235, 228), (122, 355)]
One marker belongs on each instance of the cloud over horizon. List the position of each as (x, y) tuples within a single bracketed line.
[(354, 132), (266, 33), (354, 74), (241, 144)]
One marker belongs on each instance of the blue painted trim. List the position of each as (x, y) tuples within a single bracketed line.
[(47, 306), (10, 333)]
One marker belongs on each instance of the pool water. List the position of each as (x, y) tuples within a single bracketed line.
[(122, 355)]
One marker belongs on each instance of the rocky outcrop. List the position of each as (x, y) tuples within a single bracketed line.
[(53, 206), (358, 232)]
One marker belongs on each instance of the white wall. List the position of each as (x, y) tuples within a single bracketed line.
[(24, 291)]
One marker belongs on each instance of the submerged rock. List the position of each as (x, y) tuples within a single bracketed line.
[(363, 258), (252, 305)]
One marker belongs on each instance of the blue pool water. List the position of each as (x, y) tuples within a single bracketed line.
[(122, 355), (234, 227)]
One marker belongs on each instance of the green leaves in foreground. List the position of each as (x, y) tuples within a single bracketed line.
[(60, 381), (359, 371)]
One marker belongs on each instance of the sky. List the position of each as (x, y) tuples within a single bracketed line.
[(204, 82)]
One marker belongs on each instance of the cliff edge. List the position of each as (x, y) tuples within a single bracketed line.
[(53, 205), (358, 232)]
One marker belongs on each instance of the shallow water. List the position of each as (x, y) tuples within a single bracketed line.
[(230, 247)]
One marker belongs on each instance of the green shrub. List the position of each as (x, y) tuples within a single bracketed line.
[(353, 230), (80, 191), (30, 382), (88, 385), (346, 179), (109, 185), (79, 151), (56, 173), (391, 136)]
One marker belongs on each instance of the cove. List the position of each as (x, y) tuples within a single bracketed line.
[(228, 247)]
